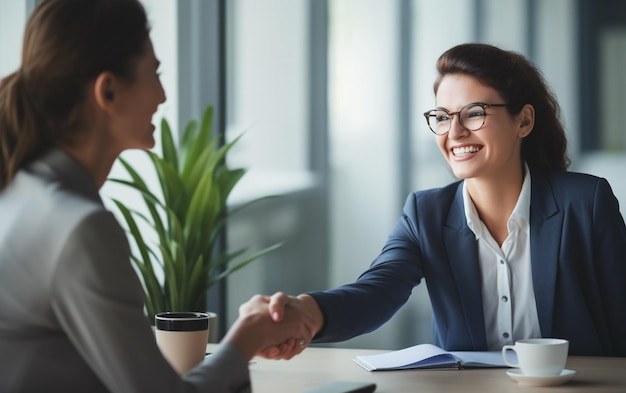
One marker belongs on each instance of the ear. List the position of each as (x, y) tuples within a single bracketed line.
[(526, 121), (104, 90)]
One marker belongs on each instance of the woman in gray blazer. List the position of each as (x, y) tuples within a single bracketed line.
[(71, 306)]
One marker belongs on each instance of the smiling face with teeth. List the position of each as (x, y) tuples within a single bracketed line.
[(494, 150)]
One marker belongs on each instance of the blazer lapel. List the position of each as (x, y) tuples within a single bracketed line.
[(546, 223), (460, 243)]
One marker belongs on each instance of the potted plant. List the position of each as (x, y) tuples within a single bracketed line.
[(188, 216)]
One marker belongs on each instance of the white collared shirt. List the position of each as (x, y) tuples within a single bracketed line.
[(507, 286)]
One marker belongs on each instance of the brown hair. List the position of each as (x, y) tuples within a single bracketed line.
[(67, 44), (519, 83)]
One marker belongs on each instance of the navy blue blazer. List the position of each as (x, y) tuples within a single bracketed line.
[(578, 253)]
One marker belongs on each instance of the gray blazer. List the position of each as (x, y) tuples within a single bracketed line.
[(71, 305)]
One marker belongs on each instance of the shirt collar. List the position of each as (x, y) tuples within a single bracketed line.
[(57, 164)]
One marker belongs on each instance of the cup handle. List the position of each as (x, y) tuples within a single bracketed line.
[(504, 350)]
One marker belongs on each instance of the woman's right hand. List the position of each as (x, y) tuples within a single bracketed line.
[(280, 306)]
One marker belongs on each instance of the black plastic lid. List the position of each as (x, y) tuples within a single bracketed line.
[(182, 321)]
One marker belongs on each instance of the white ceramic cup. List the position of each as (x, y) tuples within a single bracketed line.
[(182, 338), (538, 356)]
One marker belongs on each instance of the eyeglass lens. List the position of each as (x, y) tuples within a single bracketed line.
[(471, 117)]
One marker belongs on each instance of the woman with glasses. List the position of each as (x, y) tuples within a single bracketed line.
[(517, 248)]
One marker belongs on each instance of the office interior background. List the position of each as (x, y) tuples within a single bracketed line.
[(330, 94)]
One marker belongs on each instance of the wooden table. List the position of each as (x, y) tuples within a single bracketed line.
[(318, 366)]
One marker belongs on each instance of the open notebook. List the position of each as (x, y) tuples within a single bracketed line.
[(429, 356)]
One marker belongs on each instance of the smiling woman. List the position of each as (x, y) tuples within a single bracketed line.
[(71, 305), (517, 248)]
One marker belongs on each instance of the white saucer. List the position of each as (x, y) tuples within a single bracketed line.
[(517, 375)]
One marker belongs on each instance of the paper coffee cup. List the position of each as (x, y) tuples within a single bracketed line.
[(538, 356), (182, 338)]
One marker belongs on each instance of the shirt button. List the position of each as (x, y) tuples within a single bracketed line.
[(501, 262), (505, 335), (505, 299)]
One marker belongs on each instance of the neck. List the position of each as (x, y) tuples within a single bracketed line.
[(94, 159), (495, 199)]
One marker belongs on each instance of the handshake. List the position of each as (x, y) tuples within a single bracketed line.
[(275, 327)]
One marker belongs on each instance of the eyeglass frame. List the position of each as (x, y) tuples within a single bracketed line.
[(453, 114)]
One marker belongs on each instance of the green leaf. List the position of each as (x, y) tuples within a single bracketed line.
[(171, 284), (167, 144), (154, 292), (196, 284), (132, 226), (196, 143), (171, 185)]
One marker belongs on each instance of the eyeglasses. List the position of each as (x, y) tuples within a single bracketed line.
[(471, 117)]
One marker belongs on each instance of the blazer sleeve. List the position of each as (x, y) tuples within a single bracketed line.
[(363, 306), (98, 301)]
